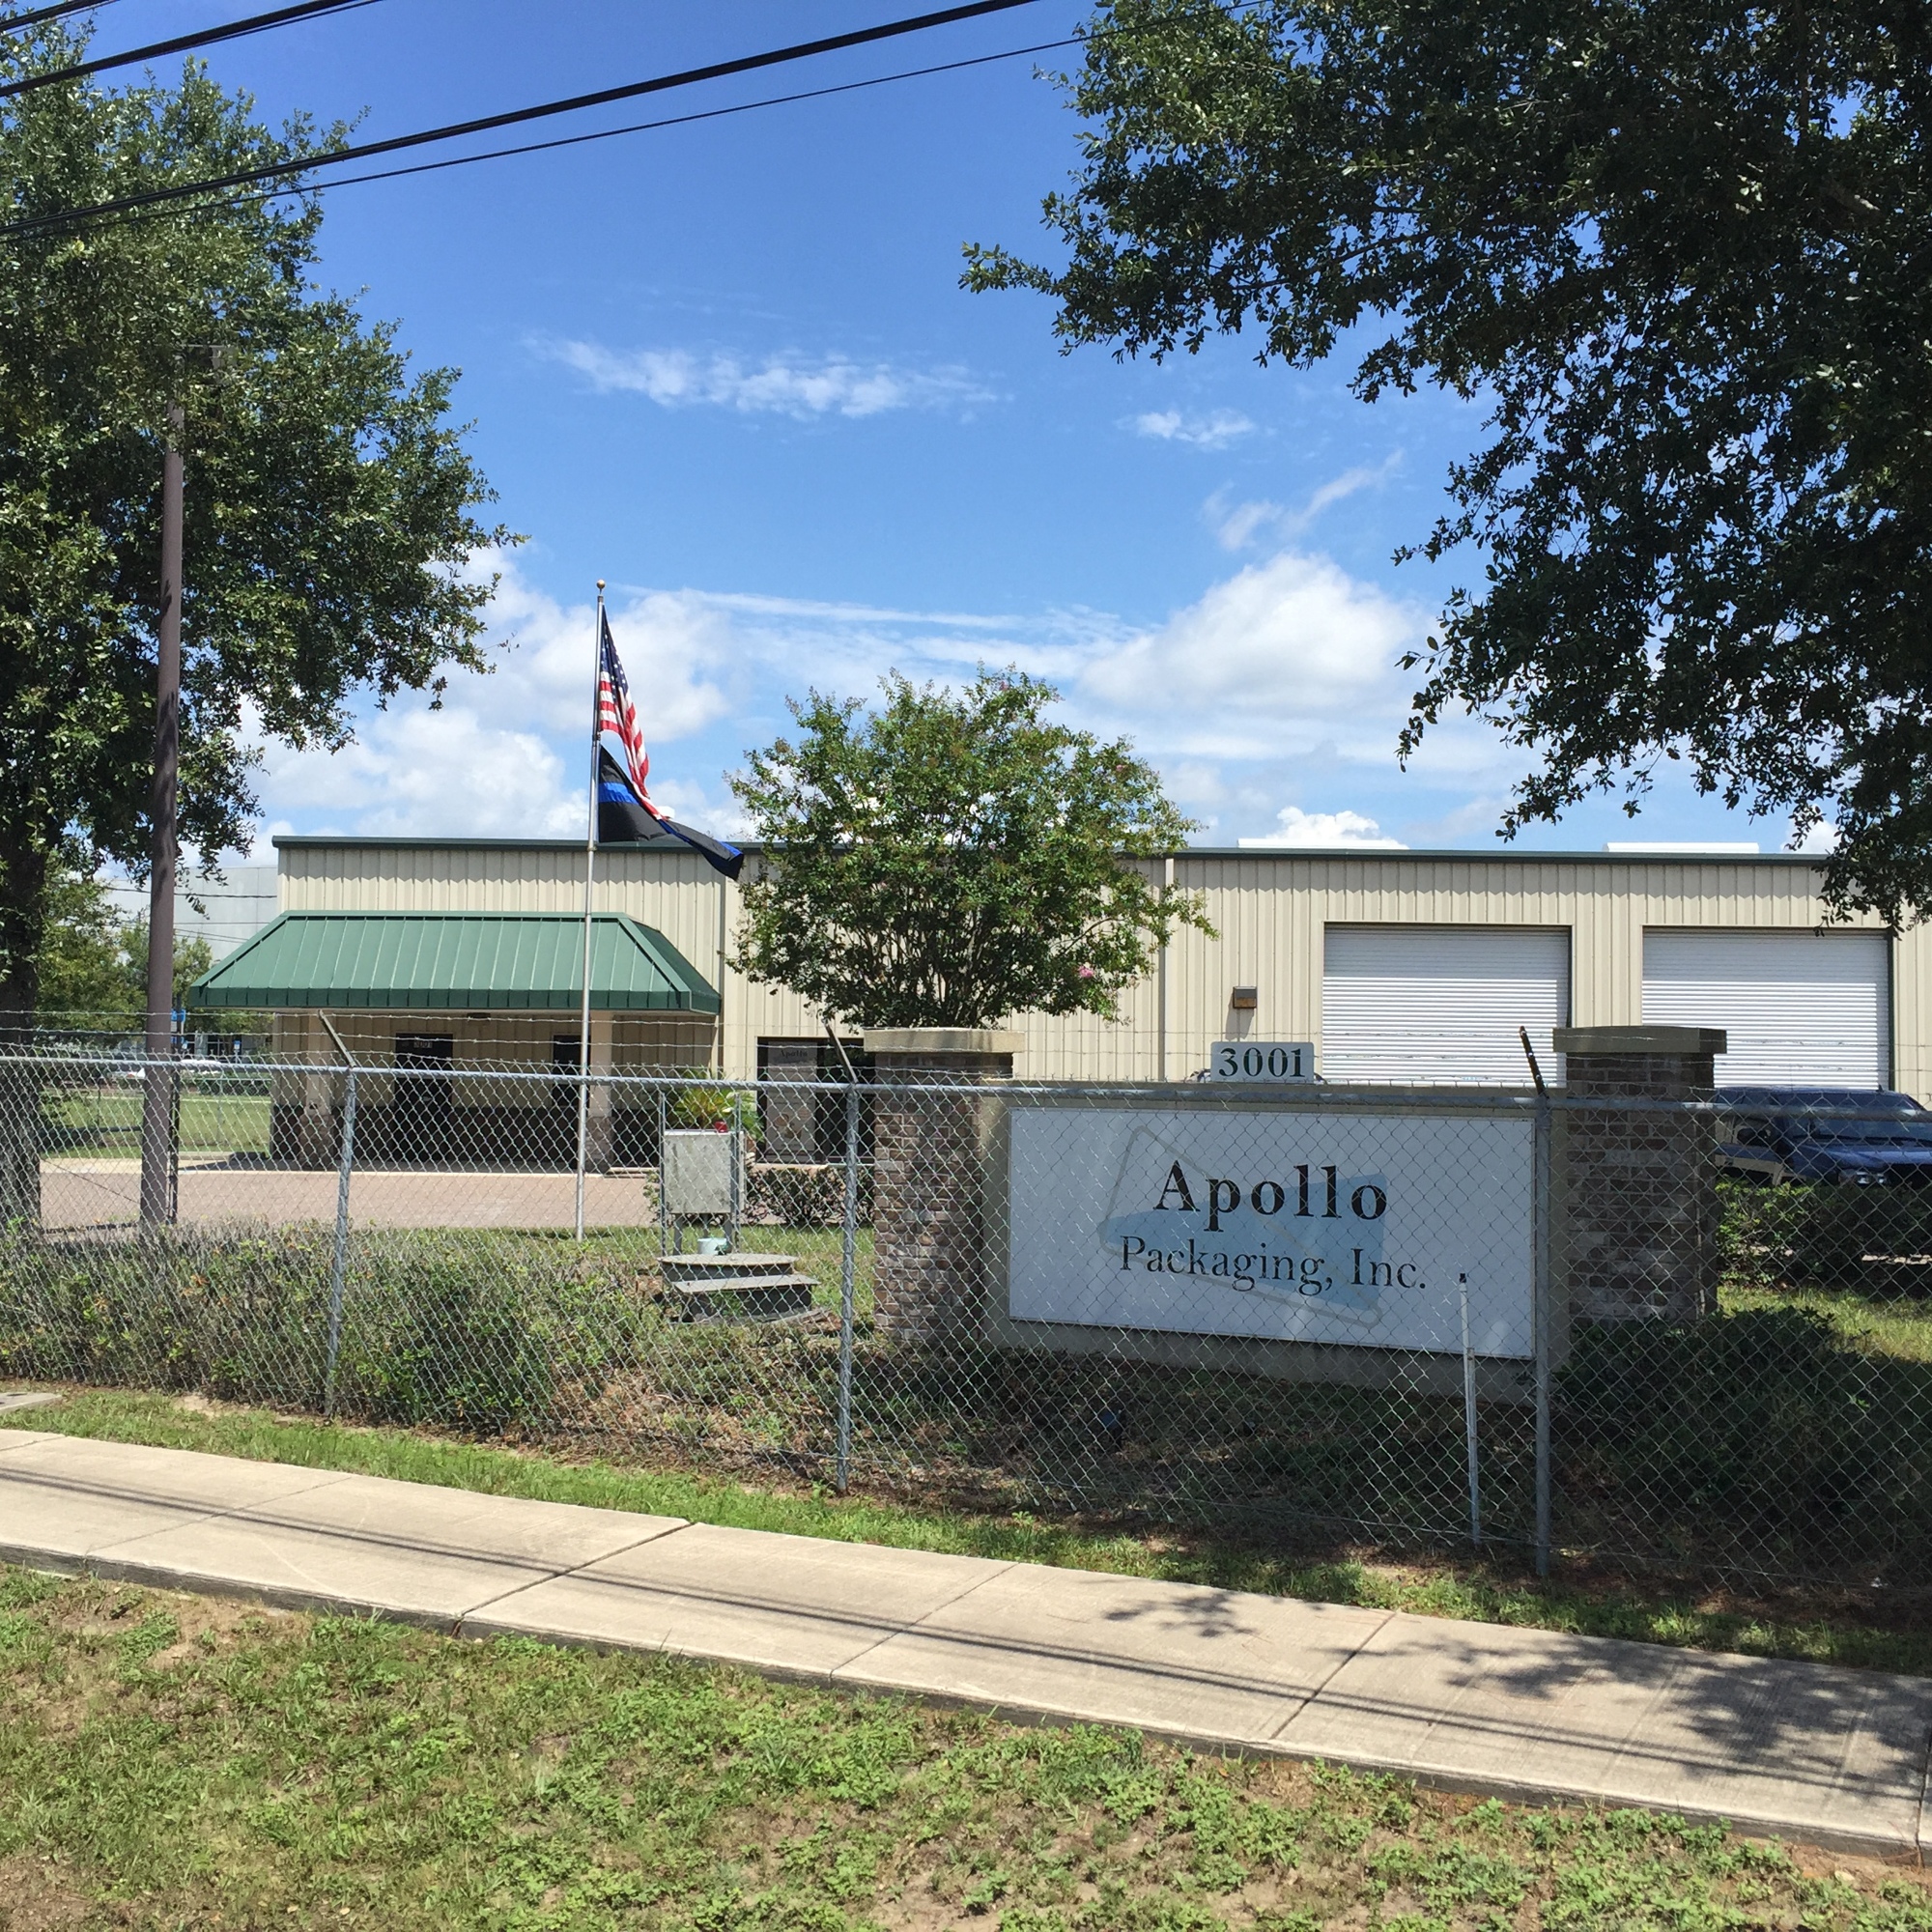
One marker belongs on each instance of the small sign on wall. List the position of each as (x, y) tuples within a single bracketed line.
[(1336, 1227), (1271, 1061)]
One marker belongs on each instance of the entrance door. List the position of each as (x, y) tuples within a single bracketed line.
[(566, 1051), (425, 1100)]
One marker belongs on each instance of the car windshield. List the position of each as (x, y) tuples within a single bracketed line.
[(1910, 1132), (1762, 1116)]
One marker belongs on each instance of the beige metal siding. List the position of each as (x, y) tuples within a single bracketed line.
[(1270, 911), (1911, 1011)]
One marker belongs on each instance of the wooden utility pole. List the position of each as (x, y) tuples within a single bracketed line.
[(157, 1093)]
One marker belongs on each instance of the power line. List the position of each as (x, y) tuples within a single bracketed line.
[(658, 84), (648, 126), (32, 19), (40, 14), (255, 23), (675, 120), (644, 127)]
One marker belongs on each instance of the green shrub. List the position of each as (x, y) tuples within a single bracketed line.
[(1755, 1430), (788, 1194), (1821, 1234), (707, 1105), (239, 1315), (442, 1331), (479, 1332)]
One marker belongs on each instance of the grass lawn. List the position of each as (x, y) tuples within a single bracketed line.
[(1826, 1627), (170, 1761), (94, 1123), (1893, 1326)]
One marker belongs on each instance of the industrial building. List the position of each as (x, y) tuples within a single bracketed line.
[(223, 910), (1395, 965)]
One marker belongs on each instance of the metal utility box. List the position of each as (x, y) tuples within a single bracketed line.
[(700, 1175)]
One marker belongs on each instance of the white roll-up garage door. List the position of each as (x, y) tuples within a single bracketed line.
[(1802, 1008), (1441, 1002)]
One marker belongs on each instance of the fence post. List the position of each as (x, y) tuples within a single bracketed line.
[(1470, 1417), (847, 1250), (338, 1266), (1543, 1314), (736, 1196), (174, 1141), (664, 1208)]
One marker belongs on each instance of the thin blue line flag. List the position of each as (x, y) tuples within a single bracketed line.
[(623, 818)]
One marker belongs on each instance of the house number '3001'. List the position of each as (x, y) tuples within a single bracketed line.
[(1261, 1060)]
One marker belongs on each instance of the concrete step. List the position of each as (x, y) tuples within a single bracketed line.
[(725, 1267), (766, 1297)]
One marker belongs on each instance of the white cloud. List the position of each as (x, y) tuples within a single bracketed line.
[(854, 614), (1295, 827), (1296, 643), (1822, 838), (431, 773), (486, 763), (1286, 665), (1338, 489), (1239, 526), (1196, 782), (712, 807), (1210, 432), (760, 648), (782, 384), (1477, 817), (674, 648)]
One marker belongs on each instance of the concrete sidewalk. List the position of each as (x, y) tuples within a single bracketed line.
[(1809, 1752)]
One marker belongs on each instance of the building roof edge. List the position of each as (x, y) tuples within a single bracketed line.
[(1391, 855)]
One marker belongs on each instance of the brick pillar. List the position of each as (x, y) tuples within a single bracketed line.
[(1637, 1203), (929, 1158), (788, 1105)]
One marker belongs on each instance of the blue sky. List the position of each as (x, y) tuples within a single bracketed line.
[(729, 367)]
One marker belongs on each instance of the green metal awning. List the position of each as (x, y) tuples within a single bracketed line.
[(529, 961)]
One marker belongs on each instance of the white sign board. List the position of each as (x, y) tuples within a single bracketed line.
[(1272, 1061), (1341, 1227)]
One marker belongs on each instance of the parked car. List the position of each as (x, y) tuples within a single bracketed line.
[(1777, 1134)]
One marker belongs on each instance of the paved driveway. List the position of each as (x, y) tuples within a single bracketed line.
[(108, 1193)]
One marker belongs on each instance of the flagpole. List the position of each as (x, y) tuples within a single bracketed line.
[(589, 887)]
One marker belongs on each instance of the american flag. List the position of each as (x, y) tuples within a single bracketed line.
[(618, 715)]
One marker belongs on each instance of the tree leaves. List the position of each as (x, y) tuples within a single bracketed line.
[(955, 859), (1679, 249), (329, 507)]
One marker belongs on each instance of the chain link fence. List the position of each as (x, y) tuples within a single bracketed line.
[(1692, 1338)]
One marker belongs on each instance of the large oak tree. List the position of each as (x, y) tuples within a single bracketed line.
[(332, 505), (1681, 251)]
